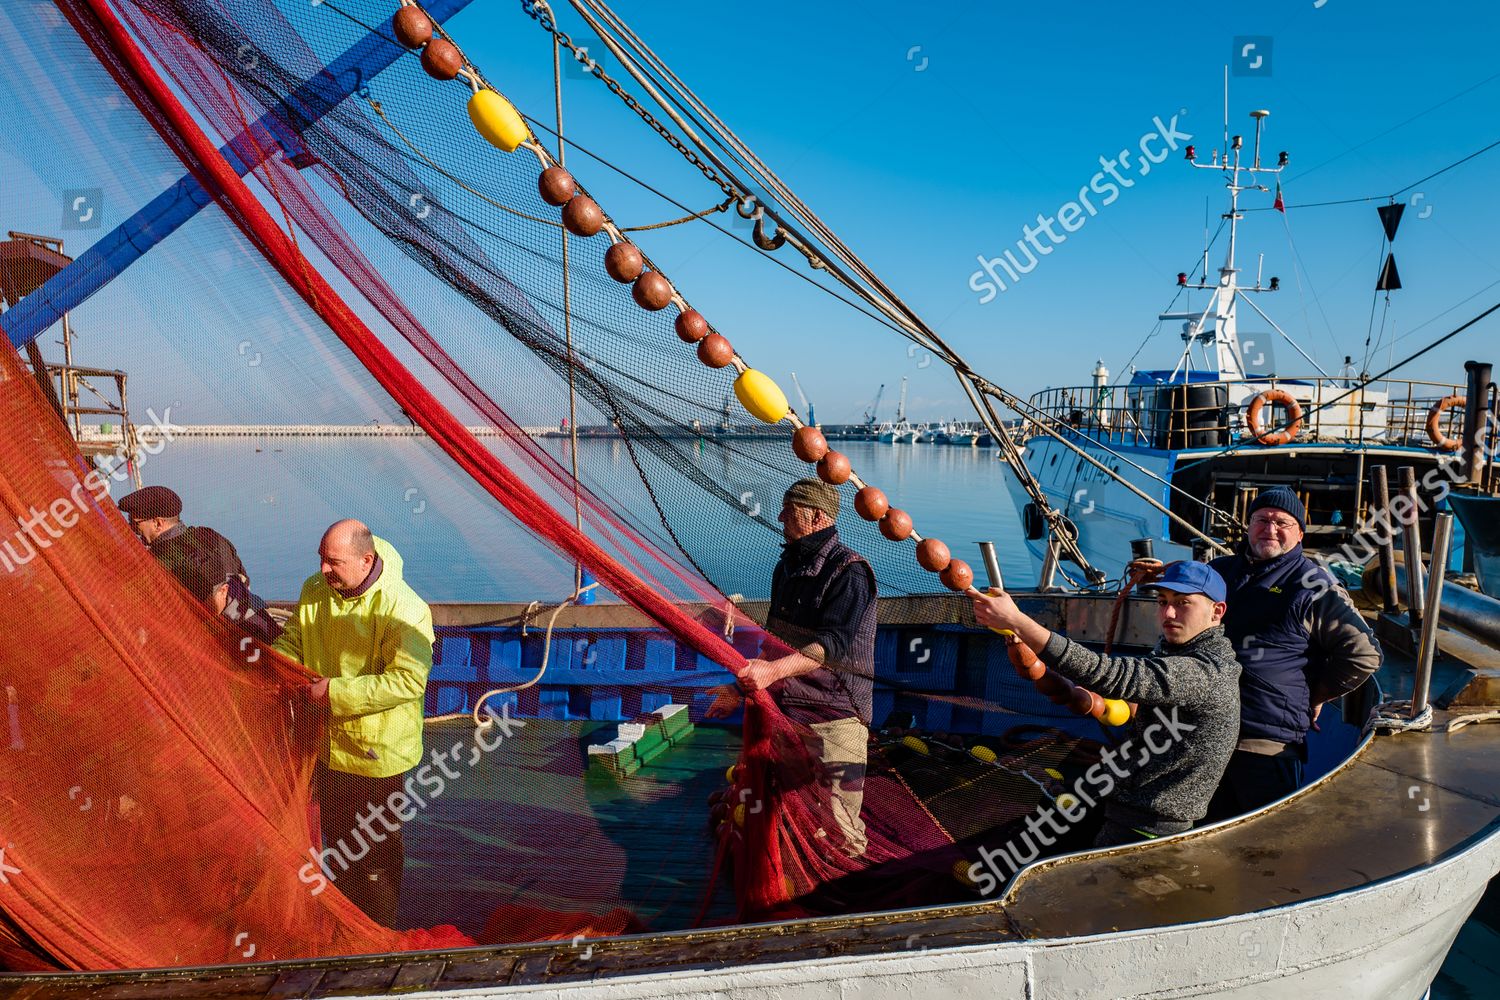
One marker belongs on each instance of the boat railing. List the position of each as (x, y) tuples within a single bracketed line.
[(1217, 413)]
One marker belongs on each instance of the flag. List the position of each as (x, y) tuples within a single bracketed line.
[(1280, 205)]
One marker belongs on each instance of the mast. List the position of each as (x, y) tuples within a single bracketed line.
[(901, 406), (1223, 305)]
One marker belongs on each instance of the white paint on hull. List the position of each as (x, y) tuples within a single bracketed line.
[(1107, 514), (1382, 942)]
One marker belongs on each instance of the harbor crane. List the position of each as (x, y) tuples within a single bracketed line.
[(812, 421), (874, 408)]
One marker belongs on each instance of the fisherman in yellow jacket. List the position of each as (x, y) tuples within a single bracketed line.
[(370, 636)]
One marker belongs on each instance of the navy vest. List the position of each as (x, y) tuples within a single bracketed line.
[(800, 610), (1268, 607)]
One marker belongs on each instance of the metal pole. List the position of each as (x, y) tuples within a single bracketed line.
[(1380, 485), (1464, 610), (1474, 404), (991, 564), (1411, 545), (1442, 533), (1047, 578), (1359, 474)]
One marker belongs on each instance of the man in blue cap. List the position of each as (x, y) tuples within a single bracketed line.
[(1301, 642), (1188, 697)]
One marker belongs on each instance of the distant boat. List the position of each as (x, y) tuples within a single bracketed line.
[(900, 430), (957, 433)]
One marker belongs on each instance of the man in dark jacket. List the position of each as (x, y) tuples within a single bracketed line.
[(1187, 691), (1302, 643), (201, 558), (823, 606)]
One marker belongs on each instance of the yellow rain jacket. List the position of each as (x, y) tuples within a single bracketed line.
[(377, 651)]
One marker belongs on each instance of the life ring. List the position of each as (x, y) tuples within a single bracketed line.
[(1435, 417), (1293, 409)]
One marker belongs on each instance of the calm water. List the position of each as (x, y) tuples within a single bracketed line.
[(273, 497)]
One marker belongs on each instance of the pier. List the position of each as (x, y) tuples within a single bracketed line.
[(109, 434)]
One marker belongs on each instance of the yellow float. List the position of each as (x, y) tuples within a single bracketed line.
[(1116, 712), (912, 743), (983, 753), (761, 397), (497, 120)]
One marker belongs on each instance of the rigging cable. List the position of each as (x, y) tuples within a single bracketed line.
[(1383, 197), (567, 311), (1168, 308), (873, 290)]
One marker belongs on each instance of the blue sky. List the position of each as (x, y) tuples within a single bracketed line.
[(929, 136)]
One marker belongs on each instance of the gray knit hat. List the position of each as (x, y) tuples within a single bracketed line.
[(816, 495)]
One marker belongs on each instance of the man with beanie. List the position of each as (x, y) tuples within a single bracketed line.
[(823, 606), (1301, 643)]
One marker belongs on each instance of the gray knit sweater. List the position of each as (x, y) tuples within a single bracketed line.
[(1179, 742)]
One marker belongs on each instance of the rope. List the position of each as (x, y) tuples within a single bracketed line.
[(1393, 194), (1137, 572), (722, 206), (375, 106), (449, 175), (1455, 724), (484, 722), (567, 303), (1396, 717)]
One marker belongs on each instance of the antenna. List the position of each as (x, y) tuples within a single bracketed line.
[(1260, 119), (1226, 112)]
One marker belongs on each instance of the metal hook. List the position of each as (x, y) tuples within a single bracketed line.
[(762, 240)]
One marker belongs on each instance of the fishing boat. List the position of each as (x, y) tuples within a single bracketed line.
[(1169, 459), (414, 250), (961, 434), (900, 430)]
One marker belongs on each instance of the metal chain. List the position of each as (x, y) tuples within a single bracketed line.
[(542, 15)]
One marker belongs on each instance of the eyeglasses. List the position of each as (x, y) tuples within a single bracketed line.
[(1271, 520)]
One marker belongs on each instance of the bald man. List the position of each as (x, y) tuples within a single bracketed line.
[(370, 637)]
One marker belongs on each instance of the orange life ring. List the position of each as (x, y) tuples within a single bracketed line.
[(1293, 409), (1435, 417)]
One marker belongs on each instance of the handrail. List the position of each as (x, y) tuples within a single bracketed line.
[(1177, 415)]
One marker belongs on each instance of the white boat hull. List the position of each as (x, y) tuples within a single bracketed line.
[(1108, 515), (1382, 942)]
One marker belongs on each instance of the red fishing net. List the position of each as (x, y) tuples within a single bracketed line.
[(157, 804)]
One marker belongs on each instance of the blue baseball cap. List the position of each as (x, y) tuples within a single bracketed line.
[(1189, 577)]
